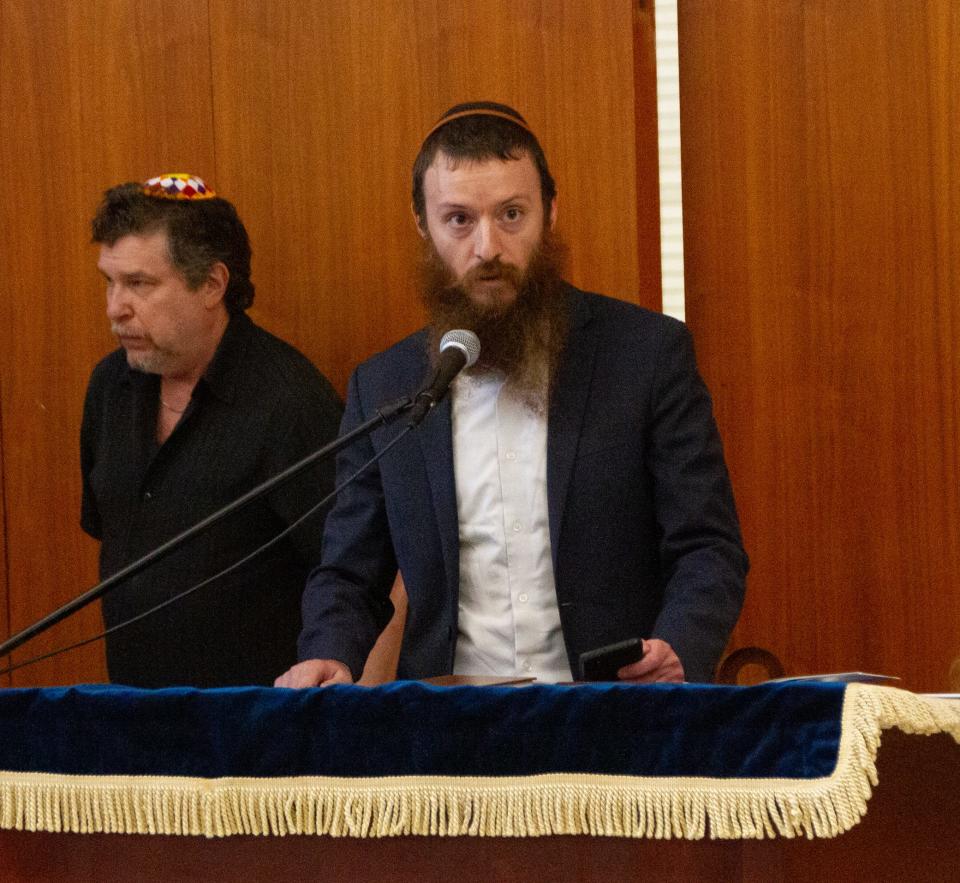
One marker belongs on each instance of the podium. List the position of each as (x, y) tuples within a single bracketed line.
[(909, 829)]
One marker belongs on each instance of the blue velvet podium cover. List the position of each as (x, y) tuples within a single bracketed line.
[(409, 758)]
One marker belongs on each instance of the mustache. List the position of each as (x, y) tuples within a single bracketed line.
[(491, 270)]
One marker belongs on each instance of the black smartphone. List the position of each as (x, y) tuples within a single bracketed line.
[(603, 663)]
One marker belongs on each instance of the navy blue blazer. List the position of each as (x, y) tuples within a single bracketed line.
[(643, 528)]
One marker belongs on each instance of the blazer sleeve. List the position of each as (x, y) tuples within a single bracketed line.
[(701, 550), (346, 602)]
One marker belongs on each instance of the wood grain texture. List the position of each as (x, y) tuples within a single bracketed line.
[(821, 197), (648, 161), (95, 94), (5, 680)]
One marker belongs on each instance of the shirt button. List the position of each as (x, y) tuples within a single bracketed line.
[(517, 526), (147, 496), (511, 455), (527, 666), (523, 598)]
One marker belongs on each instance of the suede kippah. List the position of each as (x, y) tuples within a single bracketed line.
[(177, 185)]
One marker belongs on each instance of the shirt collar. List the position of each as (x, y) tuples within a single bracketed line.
[(226, 367), (224, 371)]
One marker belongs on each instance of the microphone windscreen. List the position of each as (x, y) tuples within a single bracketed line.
[(465, 341)]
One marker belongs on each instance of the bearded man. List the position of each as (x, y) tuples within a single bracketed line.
[(571, 491)]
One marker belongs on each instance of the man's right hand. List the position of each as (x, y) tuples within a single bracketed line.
[(315, 673)]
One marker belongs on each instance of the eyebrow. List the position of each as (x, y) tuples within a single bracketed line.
[(517, 197), (133, 274)]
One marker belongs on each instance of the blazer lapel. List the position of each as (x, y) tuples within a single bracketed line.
[(436, 443), (565, 421), (567, 409)]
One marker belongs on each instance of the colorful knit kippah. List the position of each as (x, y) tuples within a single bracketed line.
[(177, 185)]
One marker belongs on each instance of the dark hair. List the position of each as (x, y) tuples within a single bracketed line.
[(479, 136), (200, 232)]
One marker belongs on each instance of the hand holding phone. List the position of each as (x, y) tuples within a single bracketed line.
[(603, 663)]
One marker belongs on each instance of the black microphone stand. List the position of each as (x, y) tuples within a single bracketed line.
[(383, 417)]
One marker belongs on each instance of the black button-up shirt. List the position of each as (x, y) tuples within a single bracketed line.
[(260, 407)]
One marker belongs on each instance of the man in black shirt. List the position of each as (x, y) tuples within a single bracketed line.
[(198, 406)]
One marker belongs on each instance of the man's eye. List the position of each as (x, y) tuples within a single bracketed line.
[(513, 214), (458, 220)]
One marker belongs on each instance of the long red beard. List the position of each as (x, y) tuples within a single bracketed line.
[(524, 339)]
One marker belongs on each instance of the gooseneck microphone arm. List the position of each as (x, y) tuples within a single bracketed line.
[(458, 350), (383, 417)]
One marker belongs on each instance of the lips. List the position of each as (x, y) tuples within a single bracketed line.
[(131, 341), (494, 272)]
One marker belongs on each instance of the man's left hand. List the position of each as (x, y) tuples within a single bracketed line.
[(659, 665)]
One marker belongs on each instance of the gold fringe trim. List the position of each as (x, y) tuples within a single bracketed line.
[(622, 806)]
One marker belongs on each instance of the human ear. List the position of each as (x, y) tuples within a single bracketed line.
[(215, 286), (416, 220)]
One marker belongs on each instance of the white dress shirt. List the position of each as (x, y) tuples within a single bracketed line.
[(509, 622)]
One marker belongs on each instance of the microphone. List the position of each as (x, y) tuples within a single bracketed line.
[(459, 349)]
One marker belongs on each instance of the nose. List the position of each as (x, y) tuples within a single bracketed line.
[(118, 305), (486, 243)]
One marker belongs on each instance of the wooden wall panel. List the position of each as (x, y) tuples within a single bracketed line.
[(308, 116), (821, 198), (5, 680), (646, 135), (4, 595), (320, 110), (91, 94)]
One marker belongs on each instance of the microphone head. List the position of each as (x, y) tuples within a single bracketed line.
[(465, 341)]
